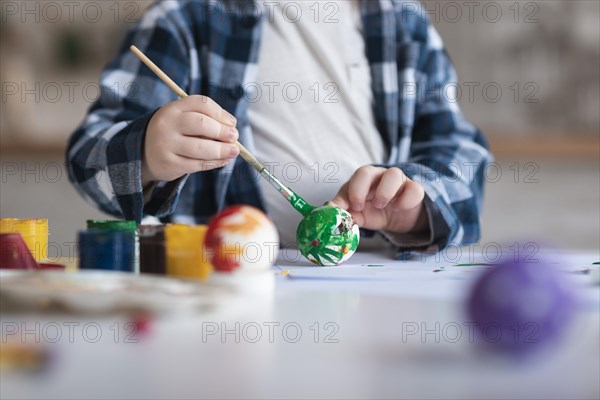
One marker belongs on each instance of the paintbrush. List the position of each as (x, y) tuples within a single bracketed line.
[(293, 198)]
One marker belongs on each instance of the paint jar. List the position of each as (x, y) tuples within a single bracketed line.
[(153, 258), (111, 225), (119, 225), (34, 233), (6, 225), (14, 253), (186, 256), (107, 250)]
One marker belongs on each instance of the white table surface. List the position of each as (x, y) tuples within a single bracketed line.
[(363, 348)]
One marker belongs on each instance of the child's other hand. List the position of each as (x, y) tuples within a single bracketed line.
[(188, 135), (384, 199)]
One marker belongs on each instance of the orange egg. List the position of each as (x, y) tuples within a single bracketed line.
[(242, 237)]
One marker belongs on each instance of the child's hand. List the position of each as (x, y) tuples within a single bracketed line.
[(188, 135), (384, 199)]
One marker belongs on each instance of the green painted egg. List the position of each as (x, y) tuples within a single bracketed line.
[(327, 236)]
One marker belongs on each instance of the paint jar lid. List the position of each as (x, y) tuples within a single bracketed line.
[(112, 225), (183, 232), (152, 231), (31, 226), (6, 225)]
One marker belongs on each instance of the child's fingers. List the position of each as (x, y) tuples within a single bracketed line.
[(196, 124), (390, 183), (341, 198), (358, 217), (371, 194), (411, 195), (206, 106), (190, 165), (205, 149), (360, 184)]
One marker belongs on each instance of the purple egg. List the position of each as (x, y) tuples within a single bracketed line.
[(521, 306)]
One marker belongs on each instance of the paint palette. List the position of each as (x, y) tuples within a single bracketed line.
[(327, 235), (110, 291)]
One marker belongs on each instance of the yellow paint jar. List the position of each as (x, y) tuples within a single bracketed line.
[(33, 231), (6, 225), (186, 256)]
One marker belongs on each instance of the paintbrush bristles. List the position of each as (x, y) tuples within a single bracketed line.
[(246, 155)]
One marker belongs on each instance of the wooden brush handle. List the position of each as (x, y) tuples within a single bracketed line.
[(246, 155)]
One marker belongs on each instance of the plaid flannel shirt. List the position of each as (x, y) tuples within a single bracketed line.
[(211, 48)]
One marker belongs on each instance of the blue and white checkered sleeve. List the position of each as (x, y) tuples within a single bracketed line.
[(448, 154), (104, 155)]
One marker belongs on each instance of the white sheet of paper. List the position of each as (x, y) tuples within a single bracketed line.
[(432, 277)]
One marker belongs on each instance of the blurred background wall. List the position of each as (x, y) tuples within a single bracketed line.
[(529, 78)]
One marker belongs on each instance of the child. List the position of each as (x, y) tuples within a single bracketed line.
[(346, 98)]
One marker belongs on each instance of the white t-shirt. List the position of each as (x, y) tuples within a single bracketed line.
[(312, 114)]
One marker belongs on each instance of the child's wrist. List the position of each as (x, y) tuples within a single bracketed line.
[(147, 177), (422, 223)]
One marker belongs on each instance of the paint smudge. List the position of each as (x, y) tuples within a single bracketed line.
[(475, 265)]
